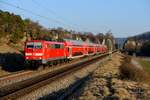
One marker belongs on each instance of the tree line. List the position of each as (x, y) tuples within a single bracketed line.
[(139, 45), (13, 28)]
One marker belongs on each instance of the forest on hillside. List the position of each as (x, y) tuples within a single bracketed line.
[(139, 44), (13, 29), (143, 37)]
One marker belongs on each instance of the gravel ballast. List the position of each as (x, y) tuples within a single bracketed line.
[(62, 83), (105, 83), (34, 73)]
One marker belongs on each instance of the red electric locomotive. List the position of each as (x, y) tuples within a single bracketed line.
[(44, 51)]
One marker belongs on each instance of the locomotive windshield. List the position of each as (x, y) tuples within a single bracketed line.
[(36, 45)]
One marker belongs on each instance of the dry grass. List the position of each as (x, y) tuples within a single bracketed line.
[(145, 64), (131, 72)]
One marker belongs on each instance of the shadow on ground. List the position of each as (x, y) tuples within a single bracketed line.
[(66, 93), (12, 62)]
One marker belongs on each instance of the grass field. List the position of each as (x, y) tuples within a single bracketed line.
[(145, 64)]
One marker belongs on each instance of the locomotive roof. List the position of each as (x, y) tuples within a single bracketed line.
[(52, 42)]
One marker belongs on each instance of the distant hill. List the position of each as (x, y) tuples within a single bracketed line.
[(138, 44), (144, 36)]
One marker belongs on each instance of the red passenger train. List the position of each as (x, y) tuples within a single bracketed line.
[(42, 51)]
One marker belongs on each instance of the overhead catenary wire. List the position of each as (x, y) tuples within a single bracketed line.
[(57, 15), (35, 14)]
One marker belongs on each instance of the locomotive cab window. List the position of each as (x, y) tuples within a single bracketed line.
[(37, 45), (30, 45)]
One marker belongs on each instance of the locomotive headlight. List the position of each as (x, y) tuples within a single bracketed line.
[(28, 54), (38, 54)]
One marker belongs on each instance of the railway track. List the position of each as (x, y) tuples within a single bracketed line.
[(6, 79), (23, 75), (14, 74), (18, 89), (72, 89)]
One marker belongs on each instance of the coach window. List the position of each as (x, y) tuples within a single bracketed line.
[(53, 46), (57, 46), (49, 46), (61, 46)]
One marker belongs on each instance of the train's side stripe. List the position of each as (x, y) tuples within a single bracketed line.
[(44, 61)]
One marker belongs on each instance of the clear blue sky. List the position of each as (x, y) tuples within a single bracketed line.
[(123, 17)]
